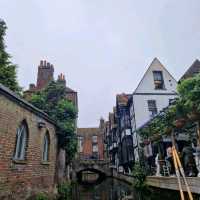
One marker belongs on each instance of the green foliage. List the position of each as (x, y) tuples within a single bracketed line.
[(139, 176), (188, 102), (65, 191), (8, 75), (189, 91), (164, 122), (41, 196), (52, 100)]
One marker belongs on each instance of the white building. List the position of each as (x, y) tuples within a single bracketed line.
[(154, 92)]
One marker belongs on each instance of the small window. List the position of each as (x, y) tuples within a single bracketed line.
[(80, 139), (95, 148), (171, 101), (21, 142), (152, 108), (94, 139), (158, 79), (46, 144)]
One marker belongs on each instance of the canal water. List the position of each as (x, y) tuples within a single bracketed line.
[(112, 189)]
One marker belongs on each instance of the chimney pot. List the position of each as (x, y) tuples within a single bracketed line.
[(41, 62)]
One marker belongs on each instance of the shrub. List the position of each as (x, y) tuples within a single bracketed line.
[(64, 191), (41, 196), (139, 176)]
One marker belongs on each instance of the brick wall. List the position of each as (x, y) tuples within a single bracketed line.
[(22, 179), (87, 134)]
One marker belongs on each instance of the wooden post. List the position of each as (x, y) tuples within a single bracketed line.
[(183, 174), (178, 175), (176, 166)]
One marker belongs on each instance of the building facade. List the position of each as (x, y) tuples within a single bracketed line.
[(192, 71), (118, 135), (28, 148), (155, 91), (90, 143), (44, 77)]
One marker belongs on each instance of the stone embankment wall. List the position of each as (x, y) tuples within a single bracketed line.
[(22, 178), (169, 183), (172, 184)]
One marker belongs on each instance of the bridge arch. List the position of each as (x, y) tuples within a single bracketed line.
[(90, 176), (84, 167)]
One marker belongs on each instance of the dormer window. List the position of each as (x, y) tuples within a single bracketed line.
[(158, 80)]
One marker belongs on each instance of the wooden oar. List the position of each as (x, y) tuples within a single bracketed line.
[(178, 175), (182, 172)]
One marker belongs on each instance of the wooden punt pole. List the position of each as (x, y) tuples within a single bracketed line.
[(178, 175), (182, 173)]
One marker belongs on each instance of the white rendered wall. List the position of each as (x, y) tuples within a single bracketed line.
[(147, 83), (142, 114)]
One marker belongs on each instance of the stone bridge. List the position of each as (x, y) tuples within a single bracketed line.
[(100, 167)]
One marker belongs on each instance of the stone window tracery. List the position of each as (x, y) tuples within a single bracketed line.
[(21, 141)]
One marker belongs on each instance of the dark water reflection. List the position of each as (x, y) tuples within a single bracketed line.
[(112, 189)]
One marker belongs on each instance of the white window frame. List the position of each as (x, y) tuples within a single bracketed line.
[(95, 148), (46, 145), (80, 144), (94, 138), (21, 142)]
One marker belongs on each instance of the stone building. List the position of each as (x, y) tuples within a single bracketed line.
[(44, 77), (90, 143), (28, 148)]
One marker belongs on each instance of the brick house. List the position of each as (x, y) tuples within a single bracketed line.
[(44, 76), (90, 143), (28, 148)]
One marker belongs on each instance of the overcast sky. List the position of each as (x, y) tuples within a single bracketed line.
[(102, 46)]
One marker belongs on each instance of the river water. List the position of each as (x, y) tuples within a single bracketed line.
[(112, 189)]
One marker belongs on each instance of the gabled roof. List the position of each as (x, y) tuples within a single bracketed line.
[(155, 60), (193, 70), (122, 99), (67, 89), (23, 103)]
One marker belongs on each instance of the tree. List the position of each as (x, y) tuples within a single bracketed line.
[(52, 100), (8, 75)]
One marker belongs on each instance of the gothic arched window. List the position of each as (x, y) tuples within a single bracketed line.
[(21, 141), (46, 145)]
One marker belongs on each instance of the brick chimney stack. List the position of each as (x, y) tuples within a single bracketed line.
[(61, 78), (45, 74), (102, 123)]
